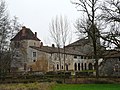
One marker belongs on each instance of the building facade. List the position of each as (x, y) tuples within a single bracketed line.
[(29, 54)]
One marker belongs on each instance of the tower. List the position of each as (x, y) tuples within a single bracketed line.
[(20, 48)]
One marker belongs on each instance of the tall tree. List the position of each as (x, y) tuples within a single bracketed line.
[(59, 30), (4, 25), (111, 17), (4, 32), (89, 25), (15, 27)]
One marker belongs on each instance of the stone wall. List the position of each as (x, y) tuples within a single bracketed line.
[(110, 67)]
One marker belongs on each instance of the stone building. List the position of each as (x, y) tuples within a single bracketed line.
[(29, 54), (111, 64), (20, 48), (73, 61)]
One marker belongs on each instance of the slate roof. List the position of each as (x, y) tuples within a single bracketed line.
[(28, 35), (48, 49), (80, 42), (112, 54)]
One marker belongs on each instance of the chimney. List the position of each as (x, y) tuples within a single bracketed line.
[(53, 45), (35, 34), (23, 27), (41, 44), (23, 30)]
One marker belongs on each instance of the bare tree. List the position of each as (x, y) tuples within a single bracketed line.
[(59, 30), (89, 25), (15, 27), (4, 33), (55, 34), (111, 17)]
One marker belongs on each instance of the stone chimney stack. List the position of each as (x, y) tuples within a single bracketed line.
[(23, 30), (41, 44), (35, 34), (53, 45)]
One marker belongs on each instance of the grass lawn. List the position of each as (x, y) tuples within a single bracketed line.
[(28, 86), (86, 87), (54, 86)]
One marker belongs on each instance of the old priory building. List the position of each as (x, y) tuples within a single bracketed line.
[(29, 54)]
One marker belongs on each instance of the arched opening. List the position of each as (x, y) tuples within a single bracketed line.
[(66, 67), (79, 66), (82, 66), (85, 66), (75, 66), (90, 66), (57, 66), (62, 66)]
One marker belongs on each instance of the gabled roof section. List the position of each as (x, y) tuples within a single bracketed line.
[(80, 42), (112, 54), (25, 34), (48, 49)]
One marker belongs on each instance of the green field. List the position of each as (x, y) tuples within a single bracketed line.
[(86, 87), (54, 86)]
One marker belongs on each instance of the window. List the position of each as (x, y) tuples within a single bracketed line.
[(34, 54), (66, 67), (81, 57), (34, 43), (116, 67), (75, 56)]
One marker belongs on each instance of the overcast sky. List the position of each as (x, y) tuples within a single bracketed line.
[(37, 14)]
